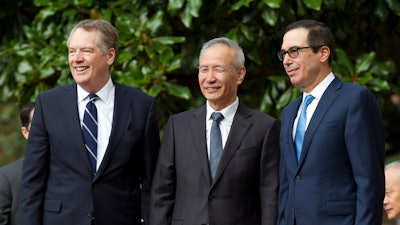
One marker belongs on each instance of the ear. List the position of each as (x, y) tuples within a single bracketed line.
[(111, 56), (25, 132), (241, 75), (325, 52)]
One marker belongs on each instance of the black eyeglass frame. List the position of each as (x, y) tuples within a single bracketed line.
[(292, 52)]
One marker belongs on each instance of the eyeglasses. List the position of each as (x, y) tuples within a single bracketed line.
[(293, 52)]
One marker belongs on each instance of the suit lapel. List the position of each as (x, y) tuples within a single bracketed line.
[(291, 117), (198, 133), (121, 114), (324, 104), (240, 127), (71, 116)]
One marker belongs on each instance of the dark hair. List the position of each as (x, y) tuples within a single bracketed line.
[(318, 35), (25, 114), (108, 34)]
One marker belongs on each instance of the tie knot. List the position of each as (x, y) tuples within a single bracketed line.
[(308, 100), (93, 97), (217, 117)]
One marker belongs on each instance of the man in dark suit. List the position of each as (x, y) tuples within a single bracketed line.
[(331, 169), (60, 185), (190, 186), (10, 175)]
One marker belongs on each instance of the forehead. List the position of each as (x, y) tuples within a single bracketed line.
[(392, 177), (216, 54), (83, 38), (295, 37)]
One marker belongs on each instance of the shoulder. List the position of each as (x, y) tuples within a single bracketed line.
[(256, 115), (12, 168), (132, 92)]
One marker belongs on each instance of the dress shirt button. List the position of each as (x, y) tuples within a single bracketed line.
[(297, 178)]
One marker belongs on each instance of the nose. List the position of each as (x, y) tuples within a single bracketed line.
[(76, 56)]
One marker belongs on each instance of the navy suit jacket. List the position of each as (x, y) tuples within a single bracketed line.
[(10, 180), (340, 176), (245, 187), (58, 185)]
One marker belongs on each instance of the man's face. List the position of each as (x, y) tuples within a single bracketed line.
[(304, 68), (391, 203), (218, 78), (88, 63)]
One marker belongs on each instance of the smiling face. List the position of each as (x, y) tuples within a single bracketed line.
[(218, 77), (391, 203), (89, 65), (308, 69)]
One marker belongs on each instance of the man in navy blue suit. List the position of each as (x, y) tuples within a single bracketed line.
[(333, 172), (60, 184)]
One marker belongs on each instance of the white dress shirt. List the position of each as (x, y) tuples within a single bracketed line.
[(105, 112), (317, 92), (225, 124)]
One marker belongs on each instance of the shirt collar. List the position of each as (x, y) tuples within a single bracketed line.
[(104, 93), (319, 90), (228, 112)]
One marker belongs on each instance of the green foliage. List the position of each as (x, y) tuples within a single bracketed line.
[(160, 41)]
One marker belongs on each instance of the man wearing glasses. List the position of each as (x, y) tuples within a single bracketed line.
[(332, 138)]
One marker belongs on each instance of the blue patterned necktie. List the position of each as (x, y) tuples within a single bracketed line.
[(301, 126), (89, 130), (215, 143)]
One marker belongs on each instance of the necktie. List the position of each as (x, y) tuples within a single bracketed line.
[(301, 126), (89, 129), (215, 143)]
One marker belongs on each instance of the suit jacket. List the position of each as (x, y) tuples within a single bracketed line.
[(246, 182), (10, 179), (340, 176), (58, 185)]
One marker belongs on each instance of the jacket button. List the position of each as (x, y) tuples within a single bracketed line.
[(297, 178), (90, 214), (211, 198)]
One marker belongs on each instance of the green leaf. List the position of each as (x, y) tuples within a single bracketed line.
[(285, 98), (275, 4), (240, 4), (270, 16), (169, 40), (247, 32), (383, 68), (394, 5), (24, 67), (175, 4), (364, 62), (155, 22), (379, 85), (186, 17), (194, 7), (313, 4), (178, 91), (342, 65)]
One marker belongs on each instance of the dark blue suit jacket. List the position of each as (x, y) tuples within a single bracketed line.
[(58, 185), (340, 176)]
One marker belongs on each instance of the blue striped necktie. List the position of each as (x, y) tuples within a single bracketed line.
[(301, 126), (89, 130), (215, 143)]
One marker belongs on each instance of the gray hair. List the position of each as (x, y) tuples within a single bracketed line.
[(107, 34), (238, 59), (394, 165)]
